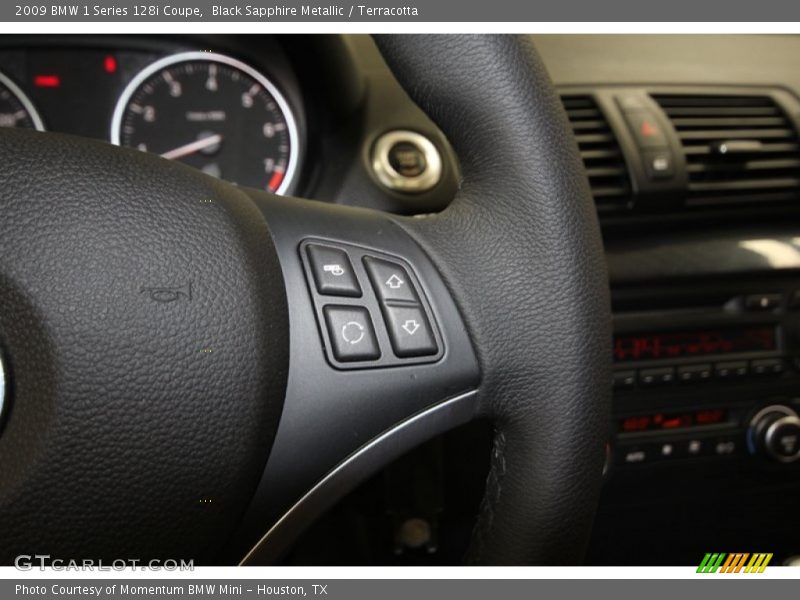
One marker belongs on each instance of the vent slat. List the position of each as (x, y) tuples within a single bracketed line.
[(767, 174), (610, 191), (769, 148), (601, 154), (595, 138), (589, 125), (721, 111), (744, 184), (580, 114), (736, 134), (712, 100), (605, 171), (740, 122), (750, 165)]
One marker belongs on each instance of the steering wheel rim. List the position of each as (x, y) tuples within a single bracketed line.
[(530, 197), (511, 277)]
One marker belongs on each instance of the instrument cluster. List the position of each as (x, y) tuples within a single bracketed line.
[(210, 110)]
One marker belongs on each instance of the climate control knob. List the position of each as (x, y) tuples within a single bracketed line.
[(775, 432)]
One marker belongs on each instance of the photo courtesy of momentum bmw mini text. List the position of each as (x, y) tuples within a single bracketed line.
[(399, 299)]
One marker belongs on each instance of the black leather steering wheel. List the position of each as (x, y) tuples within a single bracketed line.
[(180, 386)]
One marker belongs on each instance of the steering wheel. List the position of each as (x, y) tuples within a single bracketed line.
[(195, 370)]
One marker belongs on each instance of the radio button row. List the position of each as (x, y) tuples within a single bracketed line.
[(731, 369), (698, 373), (659, 376), (693, 373), (767, 366), (724, 446), (624, 379)]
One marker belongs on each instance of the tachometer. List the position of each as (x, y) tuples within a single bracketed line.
[(214, 113), (16, 109)]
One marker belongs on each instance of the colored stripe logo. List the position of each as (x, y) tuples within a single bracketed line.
[(721, 562)]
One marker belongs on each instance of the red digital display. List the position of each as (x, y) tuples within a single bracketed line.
[(690, 344), (663, 422)]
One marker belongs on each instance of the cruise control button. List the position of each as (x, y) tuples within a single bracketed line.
[(332, 271), (409, 331), (351, 333), (389, 280)]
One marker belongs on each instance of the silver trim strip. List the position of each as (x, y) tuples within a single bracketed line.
[(153, 68), (24, 100), (357, 467)]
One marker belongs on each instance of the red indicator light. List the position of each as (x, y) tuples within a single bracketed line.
[(47, 81), (672, 423), (110, 64)]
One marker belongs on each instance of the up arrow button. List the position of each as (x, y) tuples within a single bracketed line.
[(390, 280), (395, 282)]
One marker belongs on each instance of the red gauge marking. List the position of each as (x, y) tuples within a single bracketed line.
[(275, 181)]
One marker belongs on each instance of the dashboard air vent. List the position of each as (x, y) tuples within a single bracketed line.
[(739, 149), (601, 154)]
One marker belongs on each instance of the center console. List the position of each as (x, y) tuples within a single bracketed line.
[(707, 371), (705, 441)]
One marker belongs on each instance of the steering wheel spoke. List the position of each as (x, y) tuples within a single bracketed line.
[(380, 361)]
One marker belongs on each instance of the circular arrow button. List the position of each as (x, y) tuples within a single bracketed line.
[(352, 332)]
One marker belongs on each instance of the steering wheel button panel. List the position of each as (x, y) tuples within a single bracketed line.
[(385, 290), (409, 331), (390, 280), (333, 273), (351, 333)]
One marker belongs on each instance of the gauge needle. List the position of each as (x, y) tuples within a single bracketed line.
[(192, 147)]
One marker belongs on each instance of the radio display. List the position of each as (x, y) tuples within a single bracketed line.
[(661, 421), (695, 343)]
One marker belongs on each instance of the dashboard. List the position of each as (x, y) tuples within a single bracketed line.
[(194, 105), (692, 149)]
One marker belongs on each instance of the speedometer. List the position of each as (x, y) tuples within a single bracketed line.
[(16, 110), (214, 113)]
